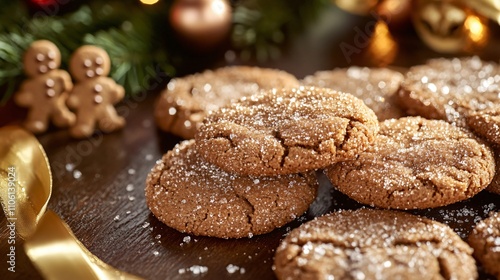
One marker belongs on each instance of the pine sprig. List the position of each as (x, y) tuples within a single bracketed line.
[(139, 39), (261, 26), (100, 24), (12, 47)]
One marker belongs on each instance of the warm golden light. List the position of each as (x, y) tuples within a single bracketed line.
[(219, 7), (381, 29), (149, 2), (382, 48), (477, 30)]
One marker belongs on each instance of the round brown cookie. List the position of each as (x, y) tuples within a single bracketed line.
[(494, 186), (461, 91), (373, 244), (287, 131), (186, 101), (485, 240), (377, 87), (416, 163), (486, 122), (196, 197)]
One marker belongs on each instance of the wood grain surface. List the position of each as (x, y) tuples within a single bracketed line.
[(105, 205)]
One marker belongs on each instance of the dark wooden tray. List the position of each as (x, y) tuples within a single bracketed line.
[(99, 182)]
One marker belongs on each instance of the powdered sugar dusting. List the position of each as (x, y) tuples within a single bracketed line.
[(454, 87), (231, 268), (375, 86), (217, 203), (195, 270), (372, 243)]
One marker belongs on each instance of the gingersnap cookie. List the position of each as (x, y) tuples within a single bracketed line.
[(486, 122), (377, 87), (485, 239), (416, 163), (186, 101), (461, 91), (287, 131), (494, 186), (373, 244), (193, 196)]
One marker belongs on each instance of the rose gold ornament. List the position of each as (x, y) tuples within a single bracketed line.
[(201, 24), (396, 13)]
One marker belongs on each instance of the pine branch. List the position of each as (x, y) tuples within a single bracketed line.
[(103, 25), (135, 50), (261, 26), (137, 37)]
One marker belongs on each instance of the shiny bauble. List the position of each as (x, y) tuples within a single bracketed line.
[(449, 26), (201, 25), (396, 13)]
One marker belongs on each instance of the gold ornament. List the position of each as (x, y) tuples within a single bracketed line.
[(149, 2), (25, 190), (201, 24), (449, 26), (358, 7), (382, 49), (396, 13)]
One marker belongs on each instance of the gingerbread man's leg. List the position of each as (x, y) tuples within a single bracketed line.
[(62, 116), (37, 119), (110, 121), (84, 126)]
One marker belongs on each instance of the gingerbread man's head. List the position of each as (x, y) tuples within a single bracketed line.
[(88, 62), (41, 57)]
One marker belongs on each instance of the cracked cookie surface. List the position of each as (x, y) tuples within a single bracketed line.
[(190, 195), (287, 131), (416, 163), (182, 106), (461, 91), (494, 186), (377, 87), (485, 239), (373, 244)]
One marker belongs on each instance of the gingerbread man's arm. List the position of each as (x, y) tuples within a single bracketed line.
[(118, 92), (24, 96), (66, 79), (73, 101)]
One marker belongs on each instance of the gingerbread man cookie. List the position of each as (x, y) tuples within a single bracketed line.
[(45, 91), (94, 93)]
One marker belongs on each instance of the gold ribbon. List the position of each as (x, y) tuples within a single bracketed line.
[(25, 189)]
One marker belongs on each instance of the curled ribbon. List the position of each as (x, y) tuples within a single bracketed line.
[(25, 190)]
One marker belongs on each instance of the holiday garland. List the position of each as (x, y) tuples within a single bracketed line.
[(138, 38)]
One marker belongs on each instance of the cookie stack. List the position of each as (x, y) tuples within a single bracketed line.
[(427, 160), (415, 162), (251, 166)]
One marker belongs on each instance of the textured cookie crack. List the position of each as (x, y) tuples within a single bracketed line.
[(249, 215), (229, 140), (286, 150), (347, 135), (443, 268)]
